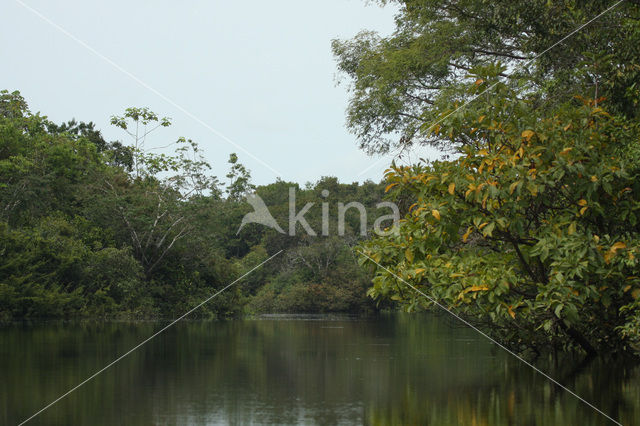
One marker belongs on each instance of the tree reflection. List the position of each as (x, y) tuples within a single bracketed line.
[(397, 369)]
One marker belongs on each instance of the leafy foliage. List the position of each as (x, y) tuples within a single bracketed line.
[(96, 228), (397, 80), (532, 230), (528, 226)]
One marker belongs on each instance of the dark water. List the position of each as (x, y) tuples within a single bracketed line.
[(281, 370)]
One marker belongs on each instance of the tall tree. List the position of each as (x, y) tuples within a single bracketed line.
[(152, 204), (530, 228), (239, 179), (397, 81)]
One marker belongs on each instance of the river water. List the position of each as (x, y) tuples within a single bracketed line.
[(393, 369)]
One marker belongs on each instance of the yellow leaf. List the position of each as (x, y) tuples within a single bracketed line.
[(617, 246), (627, 288), (390, 186), (572, 228), (419, 271), (481, 118), (409, 255), (512, 187), (465, 237), (513, 314), (567, 127), (528, 134), (474, 288), (482, 225), (635, 293), (565, 151), (436, 214), (582, 210), (582, 202), (594, 178), (452, 188)]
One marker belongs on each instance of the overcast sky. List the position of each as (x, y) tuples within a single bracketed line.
[(257, 74)]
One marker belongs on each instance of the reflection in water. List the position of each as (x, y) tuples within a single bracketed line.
[(400, 369)]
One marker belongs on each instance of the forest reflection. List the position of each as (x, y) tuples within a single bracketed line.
[(392, 369)]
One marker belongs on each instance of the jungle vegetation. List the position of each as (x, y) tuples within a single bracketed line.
[(90, 228), (528, 227)]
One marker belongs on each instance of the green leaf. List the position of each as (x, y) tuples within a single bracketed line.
[(488, 230), (558, 309)]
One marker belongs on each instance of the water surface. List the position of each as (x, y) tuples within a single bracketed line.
[(397, 369)]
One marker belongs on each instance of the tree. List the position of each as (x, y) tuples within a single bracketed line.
[(532, 231), (138, 123), (152, 204), (397, 81), (116, 154), (239, 179), (528, 226), (39, 171)]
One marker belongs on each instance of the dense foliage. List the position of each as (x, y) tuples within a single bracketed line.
[(529, 226), (96, 228), (397, 80)]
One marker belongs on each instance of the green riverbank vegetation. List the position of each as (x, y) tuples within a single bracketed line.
[(90, 228), (528, 227)]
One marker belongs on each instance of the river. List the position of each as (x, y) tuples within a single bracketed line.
[(392, 369)]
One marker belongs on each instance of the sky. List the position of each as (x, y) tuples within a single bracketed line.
[(253, 77)]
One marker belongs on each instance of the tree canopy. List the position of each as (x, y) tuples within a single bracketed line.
[(396, 82), (529, 227), (113, 229)]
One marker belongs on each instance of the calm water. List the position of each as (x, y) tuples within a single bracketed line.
[(397, 369)]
